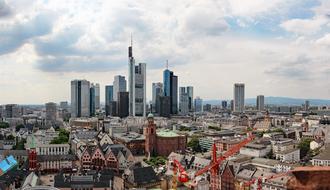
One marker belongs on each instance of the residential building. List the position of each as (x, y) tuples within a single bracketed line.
[(80, 98), (119, 85), (239, 95), (260, 103), (285, 150), (322, 159)]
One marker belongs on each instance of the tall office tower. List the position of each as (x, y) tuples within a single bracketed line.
[(51, 111), (136, 85), (190, 91), (260, 102), (157, 91), (119, 85), (239, 97), (183, 101), (131, 79), (198, 104), (224, 104), (92, 100), (171, 89), (306, 105), (232, 105), (12, 111), (164, 108), (80, 98), (123, 104), (97, 96), (139, 100), (108, 99)]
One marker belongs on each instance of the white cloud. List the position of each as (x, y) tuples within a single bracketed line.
[(305, 26), (325, 40)]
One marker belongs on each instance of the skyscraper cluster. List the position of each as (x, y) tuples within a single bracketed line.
[(84, 100)]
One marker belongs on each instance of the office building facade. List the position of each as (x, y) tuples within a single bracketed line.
[(224, 104), (12, 111), (183, 101), (136, 85), (157, 91), (92, 100), (170, 82), (139, 101), (260, 103), (51, 111), (198, 105), (80, 98), (108, 99), (190, 91), (239, 95), (97, 96), (119, 85), (123, 104)]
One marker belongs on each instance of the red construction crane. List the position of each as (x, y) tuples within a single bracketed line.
[(217, 161)]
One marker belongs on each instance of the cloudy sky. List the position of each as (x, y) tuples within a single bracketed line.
[(277, 47)]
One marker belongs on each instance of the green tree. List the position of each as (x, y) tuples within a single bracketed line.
[(4, 125), (20, 145), (18, 127), (63, 137), (10, 137), (304, 146), (194, 144)]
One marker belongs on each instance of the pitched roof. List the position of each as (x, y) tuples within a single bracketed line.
[(144, 175)]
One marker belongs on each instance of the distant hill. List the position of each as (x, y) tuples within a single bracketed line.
[(277, 101)]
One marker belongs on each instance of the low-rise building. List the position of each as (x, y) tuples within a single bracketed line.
[(322, 159)]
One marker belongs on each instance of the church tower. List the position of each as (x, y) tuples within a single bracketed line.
[(150, 136)]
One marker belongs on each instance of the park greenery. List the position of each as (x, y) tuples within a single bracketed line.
[(155, 161), (63, 137), (304, 146), (4, 125), (194, 144)]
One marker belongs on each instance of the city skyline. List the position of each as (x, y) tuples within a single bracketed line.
[(272, 50)]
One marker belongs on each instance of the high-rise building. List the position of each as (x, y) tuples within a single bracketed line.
[(80, 98), (51, 111), (183, 101), (171, 89), (92, 100), (139, 101), (12, 111), (64, 105), (157, 91), (306, 105), (232, 105), (224, 104), (164, 108), (119, 85), (260, 103), (136, 85), (97, 96), (108, 99), (239, 96), (123, 104), (198, 104), (207, 108), (190, 91)]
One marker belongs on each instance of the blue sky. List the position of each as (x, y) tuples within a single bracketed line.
[(277, 48)]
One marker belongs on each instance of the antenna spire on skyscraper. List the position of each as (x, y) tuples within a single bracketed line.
[(167, 64), (131, 40)]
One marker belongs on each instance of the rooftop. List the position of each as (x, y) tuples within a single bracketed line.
[(167, 133)]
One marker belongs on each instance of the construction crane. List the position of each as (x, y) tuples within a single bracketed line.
[(213, 167), (183, 176)]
